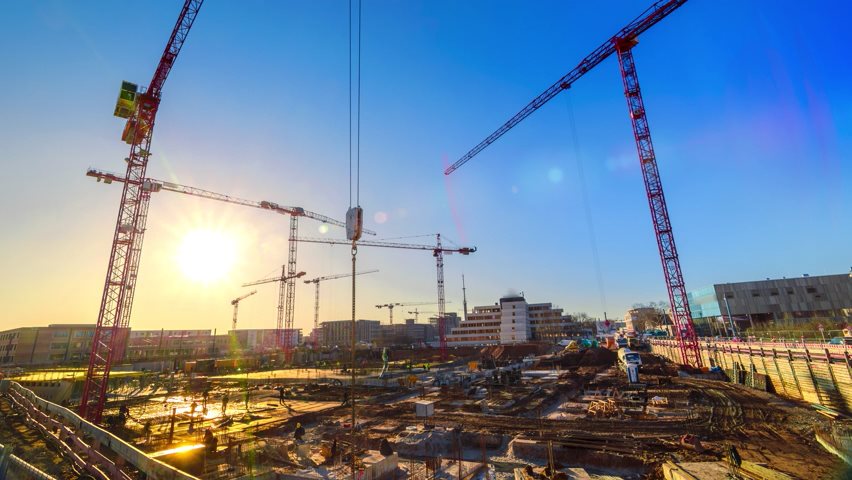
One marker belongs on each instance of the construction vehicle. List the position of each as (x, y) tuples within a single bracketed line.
[(630, 361)]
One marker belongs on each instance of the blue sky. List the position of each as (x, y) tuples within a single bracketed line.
[(748, 102)]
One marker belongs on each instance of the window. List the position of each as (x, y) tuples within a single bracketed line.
[(774, 292), (755, 293), (790, 291), (811, 290), (729, 294)]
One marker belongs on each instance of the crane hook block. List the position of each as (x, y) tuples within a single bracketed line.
[(354, 223)]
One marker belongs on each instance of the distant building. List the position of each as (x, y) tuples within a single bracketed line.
[(797, 299), (259, 340), (451, 321), (69, 344), (644, 318), (407, 333), (512, 320), (53, 344), (165, 344), (339, 332)]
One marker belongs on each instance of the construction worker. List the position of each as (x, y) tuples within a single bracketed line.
[(210, 441), (299, 432), (280, 395), (224, 403), (734, 460), (146, 430)]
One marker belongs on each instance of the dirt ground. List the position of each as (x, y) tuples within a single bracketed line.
[(763, 427)]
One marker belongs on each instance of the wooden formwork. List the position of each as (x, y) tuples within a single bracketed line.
[(814, 375)]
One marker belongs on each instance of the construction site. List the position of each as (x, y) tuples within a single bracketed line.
[(514, 390)]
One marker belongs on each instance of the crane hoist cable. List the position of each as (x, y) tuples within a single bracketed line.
[(584, 192), (358, 217)]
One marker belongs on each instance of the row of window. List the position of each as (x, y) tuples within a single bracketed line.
[(774, 292)]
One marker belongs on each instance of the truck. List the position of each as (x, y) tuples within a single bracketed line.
[(630, 361)]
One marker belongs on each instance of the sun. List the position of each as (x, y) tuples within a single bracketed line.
[(206, 256)]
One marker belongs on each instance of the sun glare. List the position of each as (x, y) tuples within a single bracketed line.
[(206, 256)]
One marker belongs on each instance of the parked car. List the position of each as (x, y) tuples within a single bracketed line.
[(841, 341)]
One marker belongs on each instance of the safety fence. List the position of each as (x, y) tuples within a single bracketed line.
[(13, 467), (82, 442), (821, 376)]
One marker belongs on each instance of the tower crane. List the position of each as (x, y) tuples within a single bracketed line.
[(287, 293), (288, 332), (236, 303), (622, 44), (140, 110), (438, 252), (316, 282), (390, 307), (417, 313)]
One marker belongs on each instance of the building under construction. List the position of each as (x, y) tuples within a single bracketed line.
[(515, 390)]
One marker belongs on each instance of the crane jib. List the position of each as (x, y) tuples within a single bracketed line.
[(640, 24)]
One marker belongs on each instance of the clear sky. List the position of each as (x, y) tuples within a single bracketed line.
[(749, 105)]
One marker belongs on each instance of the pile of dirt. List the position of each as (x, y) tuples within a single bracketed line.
[(592, 357), (598, 357), (657, 365)]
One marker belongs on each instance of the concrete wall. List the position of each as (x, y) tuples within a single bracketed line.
[(815, 375)]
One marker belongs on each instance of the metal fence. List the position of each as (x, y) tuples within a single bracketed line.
[(13, 467)]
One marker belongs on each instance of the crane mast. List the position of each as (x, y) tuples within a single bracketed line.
[(123, 265), (681, 315), (236, 303), (316, 282), (282, 281), (439, 261), (290, 302), (621, 44)]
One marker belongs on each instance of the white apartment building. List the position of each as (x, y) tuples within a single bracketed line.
[(512, 320)]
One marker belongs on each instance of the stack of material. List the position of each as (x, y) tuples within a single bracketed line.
[(603, 408)]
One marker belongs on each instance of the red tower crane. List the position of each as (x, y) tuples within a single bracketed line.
[(287, 290), (438, 252), (116, 301), (288, 331), (621, 44), (316, 282)]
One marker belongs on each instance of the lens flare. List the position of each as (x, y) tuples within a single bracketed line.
[(555, 175), (380, 217)]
